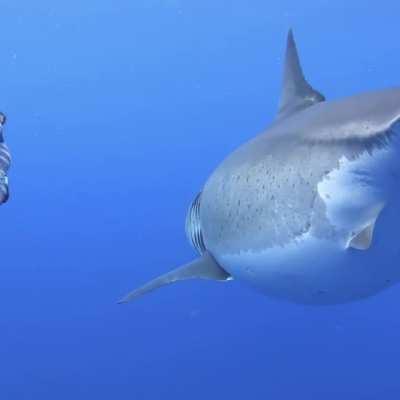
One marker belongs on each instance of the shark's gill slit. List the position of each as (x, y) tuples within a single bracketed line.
[(193, 225)]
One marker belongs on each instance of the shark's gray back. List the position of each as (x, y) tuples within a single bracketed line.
[(265, 194)]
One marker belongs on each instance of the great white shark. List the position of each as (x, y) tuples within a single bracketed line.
[(308, 211)]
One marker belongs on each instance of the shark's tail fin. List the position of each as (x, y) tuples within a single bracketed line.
[(204, 267)]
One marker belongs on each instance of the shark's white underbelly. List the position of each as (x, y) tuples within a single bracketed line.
[(317, 270)]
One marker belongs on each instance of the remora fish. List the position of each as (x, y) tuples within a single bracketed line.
[(309, 210)]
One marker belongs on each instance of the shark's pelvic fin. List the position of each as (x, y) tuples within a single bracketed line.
[(363, 240), (296, 94), (204, 267)]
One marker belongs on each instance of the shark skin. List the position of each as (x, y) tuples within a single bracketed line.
[(309, 210)]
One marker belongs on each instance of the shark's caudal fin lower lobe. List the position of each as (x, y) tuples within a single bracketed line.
[(204, 267)]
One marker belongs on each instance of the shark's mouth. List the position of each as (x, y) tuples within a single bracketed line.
[(193, 225)]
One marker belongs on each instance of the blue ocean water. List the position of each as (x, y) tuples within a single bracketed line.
[(117, 113)]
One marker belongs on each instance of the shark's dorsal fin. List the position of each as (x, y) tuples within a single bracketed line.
[(204, 267), (296, 94)]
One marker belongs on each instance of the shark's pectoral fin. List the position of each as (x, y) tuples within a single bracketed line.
[(297, 93), (204, 267), (362, 240)]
